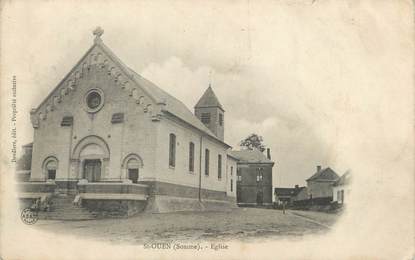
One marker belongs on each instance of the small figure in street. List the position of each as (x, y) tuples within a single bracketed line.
[(283, 207)]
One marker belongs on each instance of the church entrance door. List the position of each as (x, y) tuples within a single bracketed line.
[(92, 170)]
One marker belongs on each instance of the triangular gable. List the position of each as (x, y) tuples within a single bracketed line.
[(100, 55)]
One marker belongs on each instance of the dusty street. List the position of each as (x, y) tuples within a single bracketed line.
[(240, 223)]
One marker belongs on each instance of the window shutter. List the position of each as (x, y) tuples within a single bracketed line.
[(67, 121), (117, 118)]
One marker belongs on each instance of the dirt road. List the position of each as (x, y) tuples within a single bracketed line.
[(240, 223)]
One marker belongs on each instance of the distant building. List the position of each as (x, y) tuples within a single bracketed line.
[(24, 163), (301, 195), (341, 188), (254, 178), (287, 195), (320, 184)]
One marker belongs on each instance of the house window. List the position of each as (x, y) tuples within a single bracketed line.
[(219, 166), (238, 174), (205, 118), (260, 175), (231, 185), (191, 157), (172, 150), (220, 119), (207, 162), (231, 170), (239, 177)]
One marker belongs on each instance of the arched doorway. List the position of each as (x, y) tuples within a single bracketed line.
[(131, 165), (90, 158)]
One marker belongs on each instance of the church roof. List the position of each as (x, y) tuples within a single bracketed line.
[(250, 156), (171, 104), (326, 174), (209, 99)]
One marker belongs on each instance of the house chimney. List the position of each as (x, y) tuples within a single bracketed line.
[(318, 168), (268, 154)]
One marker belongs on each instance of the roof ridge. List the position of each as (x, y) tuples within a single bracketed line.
[(209, 99)]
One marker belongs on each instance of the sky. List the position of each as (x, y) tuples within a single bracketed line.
[(324, 82)]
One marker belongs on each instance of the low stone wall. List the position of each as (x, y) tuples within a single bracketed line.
[(69, 185), (22, 176), (164, 204), (176, 190), (36, 187), (114, 208), (111, 187), (109, 199)]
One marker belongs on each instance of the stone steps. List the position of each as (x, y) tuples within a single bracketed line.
[(62, 208)]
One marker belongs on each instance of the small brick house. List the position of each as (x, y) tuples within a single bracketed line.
[(106, 134), (254, 178)]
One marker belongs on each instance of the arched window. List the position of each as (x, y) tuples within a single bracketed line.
[(131, 164), (207, 162), (172, 150), (132, 169), (191, 157), (50, 167)]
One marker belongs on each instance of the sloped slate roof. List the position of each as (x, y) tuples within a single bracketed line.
[(287, 191), (250, 156), (326, 174), (209, 99), (344, 179), (172, 104), (284, 191)]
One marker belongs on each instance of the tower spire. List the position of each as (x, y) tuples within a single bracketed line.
[(209, 110)]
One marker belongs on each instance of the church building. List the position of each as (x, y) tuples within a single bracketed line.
[(106, 138)]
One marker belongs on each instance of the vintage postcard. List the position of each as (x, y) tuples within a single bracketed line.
[(207, 129)]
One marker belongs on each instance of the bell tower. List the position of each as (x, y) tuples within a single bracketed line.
[(211, 113)]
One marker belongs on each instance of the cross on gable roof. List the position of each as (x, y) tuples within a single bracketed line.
[(168, 103)]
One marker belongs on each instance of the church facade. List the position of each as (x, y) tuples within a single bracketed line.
[(105, 134)]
